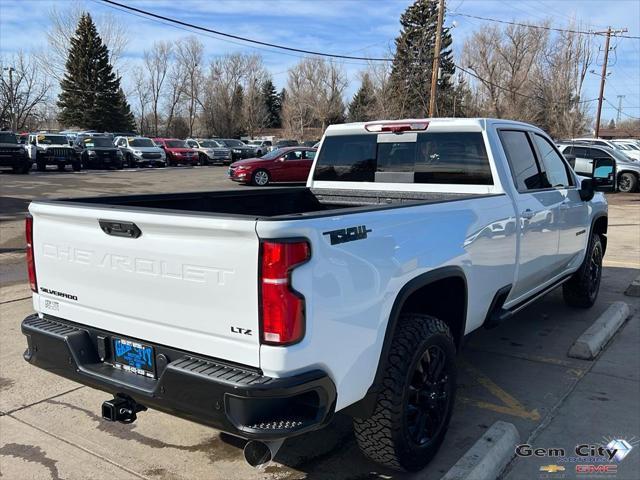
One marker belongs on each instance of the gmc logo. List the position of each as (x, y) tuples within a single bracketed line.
[(606, 468)]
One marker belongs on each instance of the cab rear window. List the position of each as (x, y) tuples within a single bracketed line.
[(437, 157)]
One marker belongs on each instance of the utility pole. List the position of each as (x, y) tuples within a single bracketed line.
[(603, 77), (620, 97), (436, 60)]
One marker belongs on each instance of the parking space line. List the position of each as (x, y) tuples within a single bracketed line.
[(510, 406)]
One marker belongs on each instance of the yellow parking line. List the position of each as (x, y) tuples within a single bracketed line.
[(511, 405)]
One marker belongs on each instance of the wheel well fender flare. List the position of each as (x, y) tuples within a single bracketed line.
[(364, 407)]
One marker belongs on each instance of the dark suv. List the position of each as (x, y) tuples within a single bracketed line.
[(97, 151), (12, 154)]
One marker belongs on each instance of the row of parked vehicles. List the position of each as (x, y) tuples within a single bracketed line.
[(89, 150), (582, 152)]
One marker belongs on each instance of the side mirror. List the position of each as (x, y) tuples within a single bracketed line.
[(587, 191), (571, 159), (32, 142), (162, 146), (604, 174)]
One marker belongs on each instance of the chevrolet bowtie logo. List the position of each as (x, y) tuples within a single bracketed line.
[(552, 468)]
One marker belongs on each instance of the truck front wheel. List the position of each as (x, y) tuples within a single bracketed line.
[(581, 290), (627, 182), (413, 409)]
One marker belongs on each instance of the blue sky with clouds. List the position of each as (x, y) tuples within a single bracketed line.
[(352, 27)]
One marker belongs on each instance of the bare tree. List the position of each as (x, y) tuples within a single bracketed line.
[(315, 90), (157, 62), (530, 75), (24, 91), (62, 27), (255, 113), (175, 90), (143, 94), (189, 52)]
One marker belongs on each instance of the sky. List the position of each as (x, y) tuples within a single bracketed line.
[(351, 27)]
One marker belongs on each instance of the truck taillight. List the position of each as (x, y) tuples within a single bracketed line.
[(282, 308), (31, 263)]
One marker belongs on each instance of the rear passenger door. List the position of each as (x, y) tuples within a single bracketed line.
[(537, 207)]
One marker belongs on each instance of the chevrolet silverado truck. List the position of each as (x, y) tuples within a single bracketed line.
[(263, 312)]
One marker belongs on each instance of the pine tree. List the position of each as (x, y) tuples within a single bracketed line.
[(272, 104), (91, 96), (410, 80), (362, 107)]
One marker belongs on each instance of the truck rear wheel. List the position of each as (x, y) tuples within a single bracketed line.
[(581, 290), (413, 409)]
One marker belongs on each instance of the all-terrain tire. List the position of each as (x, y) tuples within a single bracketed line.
[(385, 437), (581, 290)]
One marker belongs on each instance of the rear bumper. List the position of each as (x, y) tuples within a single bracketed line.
[(232, 398)]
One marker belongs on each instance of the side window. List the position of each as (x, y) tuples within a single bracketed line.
[(294, 155), (555, 168), (597, 153), (581, 152), (522, 160), (309, 154)]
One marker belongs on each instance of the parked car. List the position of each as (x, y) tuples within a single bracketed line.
[(238, 149), (630, 149), (177, 151), (210, 151), (290, 164), (98, 152), (600, 142), (260, 146), (286, 143), (52, 149), (585, 155), (12, 154), (140, 152), (262, 313)]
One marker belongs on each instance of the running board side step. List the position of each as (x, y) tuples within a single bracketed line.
[(499, 314)]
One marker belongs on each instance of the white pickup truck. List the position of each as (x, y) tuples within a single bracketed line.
[(263, 312)]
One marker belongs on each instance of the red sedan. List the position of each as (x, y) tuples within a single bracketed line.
[(290, 164), (178, 152)]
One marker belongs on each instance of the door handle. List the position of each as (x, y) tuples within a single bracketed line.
[(527, 214)]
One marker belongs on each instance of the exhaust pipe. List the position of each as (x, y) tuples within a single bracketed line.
[(260, 454), (121, 408)]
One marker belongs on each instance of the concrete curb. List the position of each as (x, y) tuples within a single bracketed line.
[(634, 288), (486, 459), (589, 344)]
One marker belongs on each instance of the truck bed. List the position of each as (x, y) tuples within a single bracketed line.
[(274, 203)]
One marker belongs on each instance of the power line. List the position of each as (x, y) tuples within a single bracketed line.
[(623, 113), (540, 27), (515, 92), (237, 37)]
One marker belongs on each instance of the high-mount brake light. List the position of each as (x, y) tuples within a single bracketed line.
[(31, 263), (396, 127), (282, 308)]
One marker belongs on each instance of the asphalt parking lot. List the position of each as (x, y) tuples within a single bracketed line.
[(518, 373)]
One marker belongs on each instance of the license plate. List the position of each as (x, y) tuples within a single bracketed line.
[(134, 357)]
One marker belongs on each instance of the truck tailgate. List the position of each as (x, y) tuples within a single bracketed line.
[(187, 281)]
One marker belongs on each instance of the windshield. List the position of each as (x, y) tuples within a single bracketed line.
[(254, 142), (233, 143), (141, 142), (8, 137), (273, 154), (618, 155), (53, 140), (176, 144), (97, 142), (622, 146), (210, 144)]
